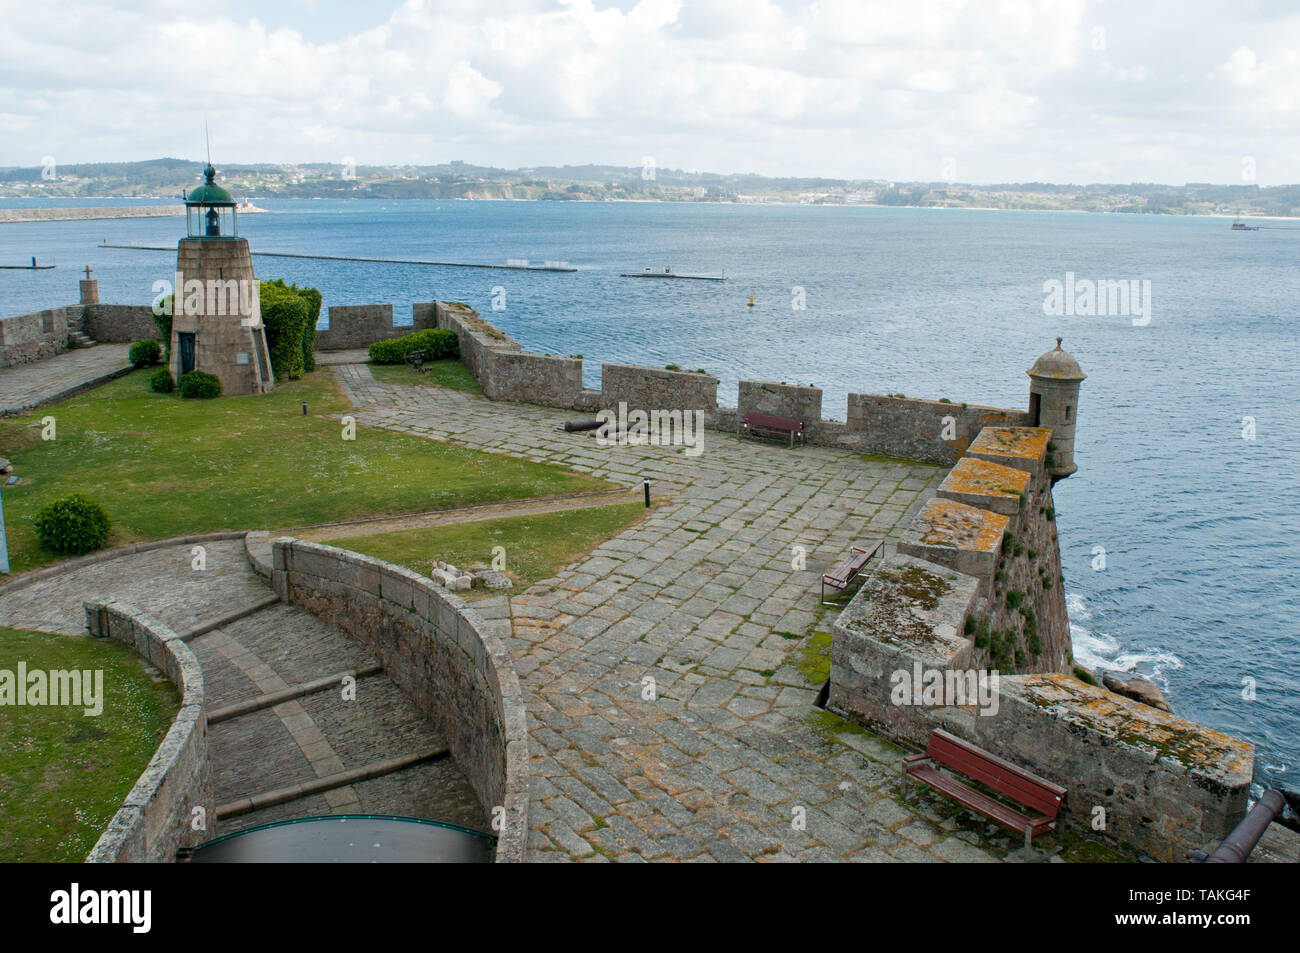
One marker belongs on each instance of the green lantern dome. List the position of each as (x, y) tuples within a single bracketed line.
[(210, 193)]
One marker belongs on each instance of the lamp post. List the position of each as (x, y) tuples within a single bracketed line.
[(4, 542)]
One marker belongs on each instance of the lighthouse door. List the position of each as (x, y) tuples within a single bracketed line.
[(1035, 405), (185, 341)]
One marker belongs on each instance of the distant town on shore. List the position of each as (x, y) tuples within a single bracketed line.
[(166, 178)]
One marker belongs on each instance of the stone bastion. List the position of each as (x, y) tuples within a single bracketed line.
[(975, 584), (958, 597)]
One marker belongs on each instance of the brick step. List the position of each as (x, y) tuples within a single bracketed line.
[(203, 628), (270, 699), (297, 741), (340, 779)]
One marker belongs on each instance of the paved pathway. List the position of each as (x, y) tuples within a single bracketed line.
[(726, 759), (308, 740), (30, 385)]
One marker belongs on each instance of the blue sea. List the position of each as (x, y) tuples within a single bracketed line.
[(1197, 520)]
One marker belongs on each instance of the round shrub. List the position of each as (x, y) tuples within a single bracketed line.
[(144, 353), (72, 525), (199, 384), (161, 381)]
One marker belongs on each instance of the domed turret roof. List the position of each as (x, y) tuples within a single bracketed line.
[(1057, 364), (209, 193)]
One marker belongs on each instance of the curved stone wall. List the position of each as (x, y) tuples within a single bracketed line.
[(440, 653), (159, 816)]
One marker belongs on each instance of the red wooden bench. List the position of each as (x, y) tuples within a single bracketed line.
[(1037, 795), (844, 572), (768, 426)]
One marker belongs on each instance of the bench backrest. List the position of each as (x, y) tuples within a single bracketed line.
[(767, 420), (1003, 776)]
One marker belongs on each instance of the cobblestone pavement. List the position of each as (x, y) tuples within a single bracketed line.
[(29, 385), (726, 759), (296, 741)]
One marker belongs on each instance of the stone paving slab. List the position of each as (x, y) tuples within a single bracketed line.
[(722, 757), (41, 382)]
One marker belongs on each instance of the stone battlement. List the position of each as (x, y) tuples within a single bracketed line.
[(976, 585)]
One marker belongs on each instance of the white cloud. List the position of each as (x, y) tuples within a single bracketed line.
[(837, 87)]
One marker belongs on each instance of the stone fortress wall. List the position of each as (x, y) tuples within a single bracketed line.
[(158, 817), (357, 326), (1164, 783), (942, 599), (905, 428), (25, 338)]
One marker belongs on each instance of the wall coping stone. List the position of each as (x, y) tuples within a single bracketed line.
[(164, 785)]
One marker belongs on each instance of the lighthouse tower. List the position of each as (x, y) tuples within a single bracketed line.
[(216, 319), (1054, 402)]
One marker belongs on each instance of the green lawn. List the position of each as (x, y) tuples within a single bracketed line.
[(162, 466), (450, 373), (536, 546), (64, 774)]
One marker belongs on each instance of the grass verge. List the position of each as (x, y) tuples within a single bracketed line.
[(64, 774), (536, 546), (449, 373), (162, 466)]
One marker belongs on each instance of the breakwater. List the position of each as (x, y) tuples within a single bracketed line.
[(564, 269), (107, 211)]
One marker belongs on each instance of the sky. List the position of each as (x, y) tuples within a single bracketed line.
[(978, 91)]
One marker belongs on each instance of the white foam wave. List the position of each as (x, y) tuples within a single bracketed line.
[(1101, 651)]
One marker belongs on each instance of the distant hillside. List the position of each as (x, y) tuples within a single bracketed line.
[(168, 177)]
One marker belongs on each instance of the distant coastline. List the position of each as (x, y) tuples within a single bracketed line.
[(66, 214)]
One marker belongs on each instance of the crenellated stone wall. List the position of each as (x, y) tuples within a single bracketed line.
[(355, 326), (439, 652), (652, 388), (915, 429), (118, 323), (502, 368), (25, 338), (158, 816)]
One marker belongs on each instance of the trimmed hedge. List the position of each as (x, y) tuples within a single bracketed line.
[(275, 293), (160, 381), (199, 384), (72, 525), (284, 312), (437, 343), (144, 353)]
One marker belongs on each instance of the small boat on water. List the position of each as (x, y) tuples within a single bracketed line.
[(1239, 226), (669, 273)]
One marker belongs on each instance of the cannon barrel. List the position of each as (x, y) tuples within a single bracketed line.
[(577, 426), (1236, 847)]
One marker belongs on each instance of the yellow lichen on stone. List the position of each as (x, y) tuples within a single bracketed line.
[(972, 477), (949, 523), (1194, 746), (1028, 443)]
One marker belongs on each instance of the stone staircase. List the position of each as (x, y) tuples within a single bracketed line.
[(302, 722), (77, 336)]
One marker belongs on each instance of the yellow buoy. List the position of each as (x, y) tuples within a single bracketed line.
[(751, 298)]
